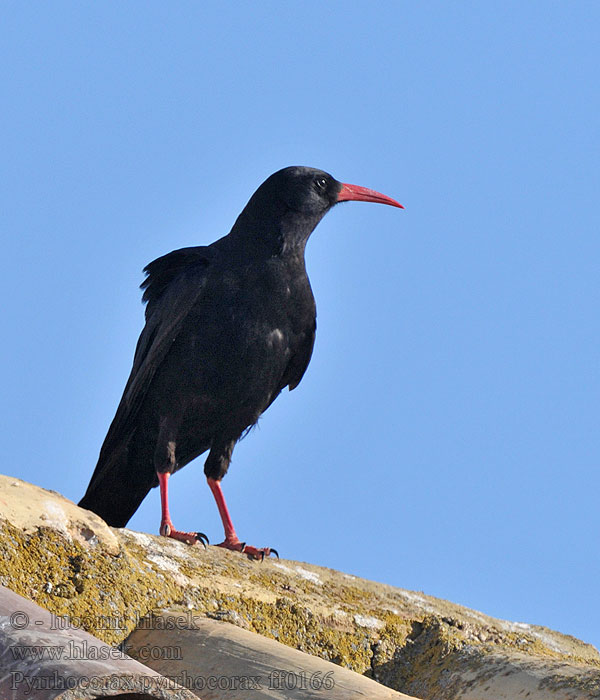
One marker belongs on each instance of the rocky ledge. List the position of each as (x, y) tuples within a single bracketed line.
[(109, 582)]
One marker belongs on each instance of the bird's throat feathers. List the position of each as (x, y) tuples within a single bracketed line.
[(284, 232)]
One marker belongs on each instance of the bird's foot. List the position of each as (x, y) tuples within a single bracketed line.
[(167, 530), (252, 552)]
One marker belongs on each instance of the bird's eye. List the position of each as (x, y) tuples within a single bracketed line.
[(321, 183)]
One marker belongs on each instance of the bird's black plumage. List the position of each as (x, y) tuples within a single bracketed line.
[(228, 326)]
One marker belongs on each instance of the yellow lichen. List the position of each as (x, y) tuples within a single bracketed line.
[(107, 593)]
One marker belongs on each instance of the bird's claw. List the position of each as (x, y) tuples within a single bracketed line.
[(258, 553), (201, 537), (167, 530)]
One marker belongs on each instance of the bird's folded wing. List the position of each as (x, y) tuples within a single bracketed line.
[(164, 319), (300, 360)]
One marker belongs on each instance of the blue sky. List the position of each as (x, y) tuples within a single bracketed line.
[(445, 436)]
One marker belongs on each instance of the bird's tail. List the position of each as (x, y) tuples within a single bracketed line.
[(117, 487)]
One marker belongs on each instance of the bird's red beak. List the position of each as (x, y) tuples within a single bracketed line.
[(363, 194)]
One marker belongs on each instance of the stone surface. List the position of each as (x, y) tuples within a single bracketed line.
[(43, 660), (220, 660), (406, 640), (31, 507)]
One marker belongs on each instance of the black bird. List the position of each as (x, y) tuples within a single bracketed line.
[(228, 326)]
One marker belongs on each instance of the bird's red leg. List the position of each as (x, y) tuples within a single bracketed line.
[(166, 526), (231, 540)]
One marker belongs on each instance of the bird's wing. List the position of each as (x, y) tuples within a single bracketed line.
[(300, 359), (174, 284)]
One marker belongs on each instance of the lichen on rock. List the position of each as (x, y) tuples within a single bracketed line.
[(109, 579)]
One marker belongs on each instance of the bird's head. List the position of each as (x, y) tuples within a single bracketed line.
[(293, 200), (312, 192)]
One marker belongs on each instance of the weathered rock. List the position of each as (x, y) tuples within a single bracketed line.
[(219, 660), (30, 507), (436, 663), (43, 660), (408, 641)]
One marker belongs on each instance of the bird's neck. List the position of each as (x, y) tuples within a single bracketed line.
[(283, 235)]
